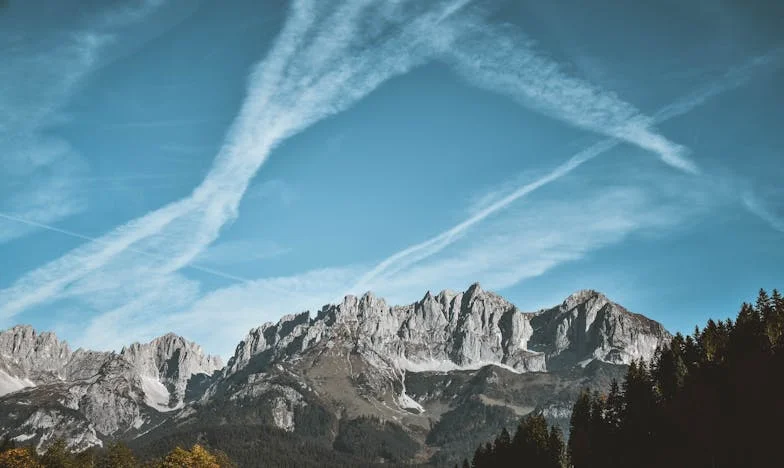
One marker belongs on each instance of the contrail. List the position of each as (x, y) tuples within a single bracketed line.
[(285, 95), (504, 62), (418, 252), (130, 249)]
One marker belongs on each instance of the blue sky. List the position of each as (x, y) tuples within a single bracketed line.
[(188, 166)]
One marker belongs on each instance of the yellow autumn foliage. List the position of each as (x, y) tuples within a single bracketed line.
[(18, 458), (196, 457)]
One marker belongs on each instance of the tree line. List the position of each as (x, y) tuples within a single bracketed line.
[(117, 455), (711, 399)]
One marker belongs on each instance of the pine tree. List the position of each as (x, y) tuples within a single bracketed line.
[(58, 456), (778, 301), (776, 323), (579, 445), (668, 371), (480, 457), (502, 455), (766, 308), (555, 449), (614, 409), (530, 442)]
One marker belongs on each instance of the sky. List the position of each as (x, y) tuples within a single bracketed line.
[(201, 167)]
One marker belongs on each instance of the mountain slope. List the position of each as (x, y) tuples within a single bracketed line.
[(430, 379), (85, 396)]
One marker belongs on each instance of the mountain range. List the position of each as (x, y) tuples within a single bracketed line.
[(424, 382)]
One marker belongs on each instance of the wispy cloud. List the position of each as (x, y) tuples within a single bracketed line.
[(319, 65), (34, 86), (155, 124), (236, 252), (96, 240), (505, 61), (532, 239), (420, 251), (248, 305), (763, 210), (325, 59)]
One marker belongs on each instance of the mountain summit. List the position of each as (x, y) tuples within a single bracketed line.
[(450, 356)]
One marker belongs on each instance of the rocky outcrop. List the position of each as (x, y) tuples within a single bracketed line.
[(167, 363), (87, 395), (453, 356), (27, 357), (464, 330), (588, 326)]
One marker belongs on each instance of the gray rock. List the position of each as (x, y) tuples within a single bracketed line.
[(85, 395), (444, 353), (465, 330)]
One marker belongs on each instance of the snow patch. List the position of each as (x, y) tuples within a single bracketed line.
[(156, 395), (404, 401), (24, 437), (434, 365), (585, 362), (10, 384)]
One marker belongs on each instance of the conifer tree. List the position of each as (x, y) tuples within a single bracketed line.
[(502, 449), (7, 444), (555, 449), (118, 455), (579, 446), (58, 456)]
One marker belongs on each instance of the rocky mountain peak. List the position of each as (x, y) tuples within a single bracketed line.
[(360, 355), (582, 296), (464, 330), (24, 353), (169, 361)]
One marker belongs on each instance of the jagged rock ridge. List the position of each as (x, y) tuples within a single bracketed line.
[(453, 356), (85, 396), (465, 330)]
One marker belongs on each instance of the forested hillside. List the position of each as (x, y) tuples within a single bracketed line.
[(711, 399)]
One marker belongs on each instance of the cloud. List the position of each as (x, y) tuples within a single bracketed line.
[(319, 65), (35, 83), (243, 306), (324, 60), (503, 60), (420, 251), (762, 209), (240, 251), (532, 239)]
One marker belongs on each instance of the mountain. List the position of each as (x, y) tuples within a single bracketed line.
[(85, 396), (421, 382)]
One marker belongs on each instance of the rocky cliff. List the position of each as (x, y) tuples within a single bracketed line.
[(470, 359), (465, 330), (86, 396)]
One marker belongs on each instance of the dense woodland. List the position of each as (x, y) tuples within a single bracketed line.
[(712, 399)]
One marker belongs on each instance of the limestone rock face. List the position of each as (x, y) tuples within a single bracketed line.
[(172, 361), (27, 357), (464, 330), (588, 326), (449, 355), (48, 391)]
